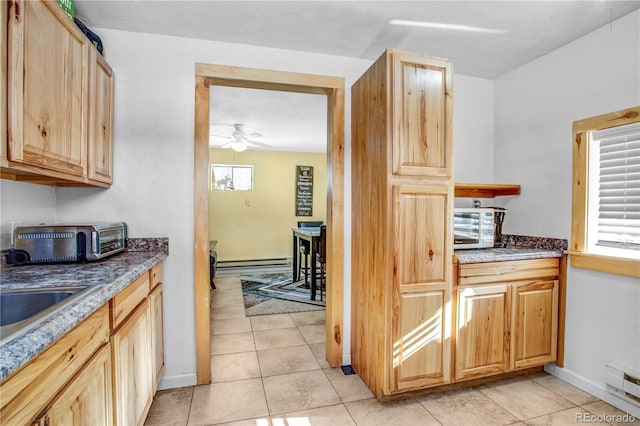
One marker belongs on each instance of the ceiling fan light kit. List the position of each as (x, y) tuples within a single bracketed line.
[(240, 139), (238, 146)]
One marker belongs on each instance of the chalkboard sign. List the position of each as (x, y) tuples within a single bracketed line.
[(304, 191)]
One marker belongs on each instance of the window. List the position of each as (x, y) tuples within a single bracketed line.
[(605, 232), (227, 177)]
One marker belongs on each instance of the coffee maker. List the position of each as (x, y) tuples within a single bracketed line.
[(498, 219)]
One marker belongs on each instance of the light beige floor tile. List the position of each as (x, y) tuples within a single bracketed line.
[(170, 407), (227, 402), (349, 387), (313, 333), (232, 343), (237, 366), (320, 352), (566, 390), (269, 322), (571, 416), (466, 407), (227, 312), (260, 421), (601, 408), (370, 412), (234, 300), (230, 325), (286, 360), (309, 318), (278, 338), (298, 391), (526, 399), (334, 415)]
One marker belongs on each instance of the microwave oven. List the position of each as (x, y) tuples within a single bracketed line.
[(473, 228)]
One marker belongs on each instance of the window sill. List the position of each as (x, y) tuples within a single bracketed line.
[(611, 265)]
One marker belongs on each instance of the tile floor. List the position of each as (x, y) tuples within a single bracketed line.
[(270, 370)]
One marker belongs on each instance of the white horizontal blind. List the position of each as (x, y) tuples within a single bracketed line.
[(618, 186)]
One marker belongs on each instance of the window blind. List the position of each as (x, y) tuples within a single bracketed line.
[(618, 221)]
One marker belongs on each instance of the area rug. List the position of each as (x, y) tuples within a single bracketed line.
[(274, 293)]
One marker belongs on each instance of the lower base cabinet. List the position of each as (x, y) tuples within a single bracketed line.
[(157, 334), (87, 399)]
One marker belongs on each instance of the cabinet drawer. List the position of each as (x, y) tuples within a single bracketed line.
[(126, 301), (156, 276), (512, 270), (31, 388)]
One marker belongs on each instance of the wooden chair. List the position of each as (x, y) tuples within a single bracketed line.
[(321, 258), (305, 248)]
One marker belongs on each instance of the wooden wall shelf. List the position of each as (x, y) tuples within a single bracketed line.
[(485, 190)]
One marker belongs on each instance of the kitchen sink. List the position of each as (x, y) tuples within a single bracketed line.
[(23, 308)]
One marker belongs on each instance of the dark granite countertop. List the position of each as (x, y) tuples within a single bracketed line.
[(505, 254), (105, 279)]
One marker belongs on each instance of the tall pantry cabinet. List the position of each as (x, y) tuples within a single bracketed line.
[(402, 209)]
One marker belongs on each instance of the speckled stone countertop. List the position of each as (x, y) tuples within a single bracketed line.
[(503, 254), (105, 279), (518, 247)]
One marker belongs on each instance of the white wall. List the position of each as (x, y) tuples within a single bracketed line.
[(153, 158), (535, 107)]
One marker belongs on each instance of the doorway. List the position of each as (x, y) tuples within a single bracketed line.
[(332, 87)]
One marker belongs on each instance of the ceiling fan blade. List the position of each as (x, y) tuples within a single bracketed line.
[(254, 135), (220, 136), (256, 143), (227, 145)]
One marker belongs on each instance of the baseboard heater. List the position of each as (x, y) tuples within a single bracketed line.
[(623, 382), (253, 263)]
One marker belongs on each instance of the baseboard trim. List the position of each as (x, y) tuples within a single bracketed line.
[(593, 388), (180, 381)]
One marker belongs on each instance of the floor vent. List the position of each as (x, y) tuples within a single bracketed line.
[(623, 383), (253, 266)]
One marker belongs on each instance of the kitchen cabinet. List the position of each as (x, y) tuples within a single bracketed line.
[(3, 77), (59, 100), (507, 316), (132, 368), (87, 399), (29, 390), (482, 341), (402, 200), (157, 333)]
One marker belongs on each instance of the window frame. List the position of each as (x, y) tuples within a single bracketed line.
[(580, 257), (232, 166)]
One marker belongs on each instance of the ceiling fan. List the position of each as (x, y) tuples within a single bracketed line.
[(240, 139)]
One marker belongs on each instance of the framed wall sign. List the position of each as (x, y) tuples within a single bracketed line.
[(304, 190)]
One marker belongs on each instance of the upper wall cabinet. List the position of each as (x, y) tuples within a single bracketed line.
[(60, 100), (422, 99)]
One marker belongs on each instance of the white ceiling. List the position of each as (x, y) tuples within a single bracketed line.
[(359, 29)]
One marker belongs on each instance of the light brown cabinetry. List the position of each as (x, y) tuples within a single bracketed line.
[(402, 196), (55, 81), (157, 334), (132, 367), (507, 316), (87, 399)]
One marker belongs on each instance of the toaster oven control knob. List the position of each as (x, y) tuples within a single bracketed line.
[(17, 257), (95, 245)]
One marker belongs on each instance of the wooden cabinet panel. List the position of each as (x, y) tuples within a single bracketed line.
[(422, 121), (422, 236), (48, 88), (534, 324), (87, 399), (30, 389), (421, 344), (482, 340), (3, 80), (157, 334), (125, 302), (132, 363), (100, 144)]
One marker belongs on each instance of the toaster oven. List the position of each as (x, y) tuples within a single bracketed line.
[(67, 242)]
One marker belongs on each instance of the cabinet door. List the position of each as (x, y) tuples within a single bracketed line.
[(100, 146), (48, 88), (132, 363), (482, 331), (421, 344), (535, 323), (87, 399), (422, 115), (157, 336)]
